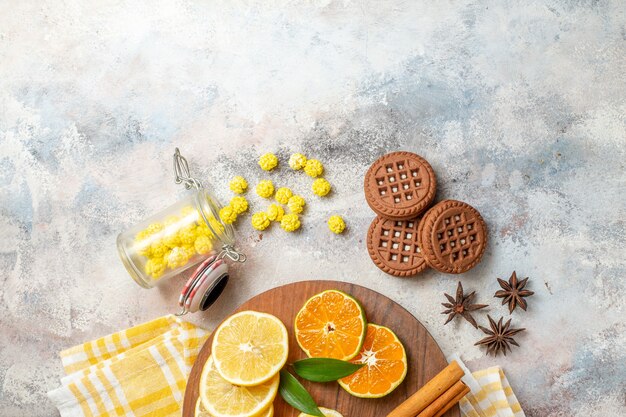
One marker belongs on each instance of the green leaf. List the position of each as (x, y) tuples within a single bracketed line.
[(296, 395), (325, 369)]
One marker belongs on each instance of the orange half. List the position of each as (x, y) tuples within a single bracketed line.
[(385, 365), (331, 324)]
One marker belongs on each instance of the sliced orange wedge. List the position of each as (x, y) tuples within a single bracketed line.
[(331, 325), (385, 365)]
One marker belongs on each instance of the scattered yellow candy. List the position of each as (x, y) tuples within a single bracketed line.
[(228, 215), (313, 168), (321, 187), (297, 161), (296, 204), (268, 161), (336, 224), (290, 222), (265, 189), (239, 204), (238, 185), (203, 245), (275, 212), (154, 228), (283, 194), (155, 267), (177, 257), (260, 221)]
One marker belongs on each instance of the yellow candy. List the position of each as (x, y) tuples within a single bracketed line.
[(260, 221), (203, 245), (290, 222), (228, 215), (177, 257), (239, 204), (143, 248), (203, 230), (313, 168), (265, 189), (171, 240), (275, 212), (190, 250), (216, 225), (297, 161), (238, 185), (336, 224), (321, 187), (187, 235), (158, 249), (283, 194), (296, 204), (155, 267), (142, 243), (189, 211), (142, 235), (268, 161), (154, 228)]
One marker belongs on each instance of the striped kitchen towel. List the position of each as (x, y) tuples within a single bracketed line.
[(490, 393), (141, 371)]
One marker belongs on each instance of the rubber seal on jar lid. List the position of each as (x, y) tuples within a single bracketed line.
[(202, 282), (194, 278), (208, 285)]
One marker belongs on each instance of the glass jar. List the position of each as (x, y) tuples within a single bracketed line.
[(174, 239)]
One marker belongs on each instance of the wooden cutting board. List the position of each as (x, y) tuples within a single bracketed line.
[(424, 356)]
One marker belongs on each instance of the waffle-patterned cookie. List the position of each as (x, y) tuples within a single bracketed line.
[(400, 185), (452, 236), (392, 245)]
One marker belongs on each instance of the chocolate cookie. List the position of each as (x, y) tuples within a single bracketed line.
[(400, 185), (392, 245), (452, 236)]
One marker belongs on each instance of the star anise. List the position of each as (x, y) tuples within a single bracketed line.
[(500, 336), (513, 292), (461, 305)]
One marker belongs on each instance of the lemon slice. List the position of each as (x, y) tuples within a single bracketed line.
[(326, 411), (250, 348), (220, 398), (202, 412)]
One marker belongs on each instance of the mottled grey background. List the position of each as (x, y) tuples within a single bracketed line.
[(520, 109)]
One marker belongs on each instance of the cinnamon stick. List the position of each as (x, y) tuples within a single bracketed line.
[(445, 401), (433, 389), (452, 403)]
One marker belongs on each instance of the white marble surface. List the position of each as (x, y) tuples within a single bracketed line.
[(521, 111)]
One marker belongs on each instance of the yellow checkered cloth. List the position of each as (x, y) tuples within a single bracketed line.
[(141, 371), (490, 395)]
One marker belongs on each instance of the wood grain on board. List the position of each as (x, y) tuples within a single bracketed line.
[(424, 356)]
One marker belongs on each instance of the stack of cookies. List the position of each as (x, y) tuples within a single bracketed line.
[(408, 234)]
